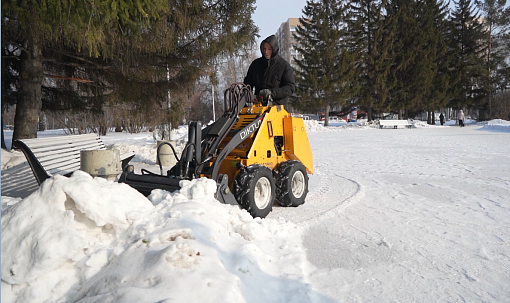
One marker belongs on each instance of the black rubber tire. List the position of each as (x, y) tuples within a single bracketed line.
[(248, 186), (291, 183)]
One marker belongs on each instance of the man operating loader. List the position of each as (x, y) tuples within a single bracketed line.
[(271, 75), (258, 154)]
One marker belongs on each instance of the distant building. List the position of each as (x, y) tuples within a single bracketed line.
[(287, 42)]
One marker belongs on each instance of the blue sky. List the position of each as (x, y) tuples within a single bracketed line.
[(270, 14)]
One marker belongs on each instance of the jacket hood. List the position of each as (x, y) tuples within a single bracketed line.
[(274, 44)]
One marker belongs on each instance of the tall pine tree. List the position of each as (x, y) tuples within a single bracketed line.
[(407, 68), (419, 61), (324, 74), (467, 44), (496, 20), (29, 25), (371, 41), (436, 21), (131, 51)]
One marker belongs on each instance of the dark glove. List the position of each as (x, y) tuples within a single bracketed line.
[(264, 93)]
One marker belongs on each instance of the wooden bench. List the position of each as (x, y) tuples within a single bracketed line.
[(395, 123), (60, 155)]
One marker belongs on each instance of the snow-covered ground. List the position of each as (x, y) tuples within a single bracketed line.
[(393, 215)]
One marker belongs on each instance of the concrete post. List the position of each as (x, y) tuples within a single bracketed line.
[(101, 163)]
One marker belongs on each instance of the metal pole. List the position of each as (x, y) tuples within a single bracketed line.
[(213, 111)]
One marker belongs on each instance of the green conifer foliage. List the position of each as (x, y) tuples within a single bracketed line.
[(467, 36), (324, 74), (436, 24), (372, 42), (419, 56), (81, 54), (496, 21)]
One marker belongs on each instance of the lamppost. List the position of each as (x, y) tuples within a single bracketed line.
[(213, 111)]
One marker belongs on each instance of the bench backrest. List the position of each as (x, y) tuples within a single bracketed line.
[(60, 155)]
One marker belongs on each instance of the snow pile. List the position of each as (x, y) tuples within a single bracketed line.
[(401, 215), (422, 124), (314, 126), (11, 158), (497, 125), (85, 239)]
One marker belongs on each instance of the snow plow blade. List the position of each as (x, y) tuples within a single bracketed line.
[(148, 182)]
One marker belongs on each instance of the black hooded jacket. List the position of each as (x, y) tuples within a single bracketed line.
[(275, 74)]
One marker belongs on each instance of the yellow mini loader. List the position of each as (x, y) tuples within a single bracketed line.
[(257, 153)]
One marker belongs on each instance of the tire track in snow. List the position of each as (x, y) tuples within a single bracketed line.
[(329, 203), (329, 193)]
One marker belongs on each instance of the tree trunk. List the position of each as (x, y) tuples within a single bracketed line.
[(42, 121), (29, 96), (102, 130), (3, 138), (326, 116)]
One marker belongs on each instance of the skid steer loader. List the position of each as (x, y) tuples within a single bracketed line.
[(257, 153)]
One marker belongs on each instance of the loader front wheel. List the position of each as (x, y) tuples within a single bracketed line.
[(291, 183), (254, 189)]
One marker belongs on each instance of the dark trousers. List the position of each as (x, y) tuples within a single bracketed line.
[(461, 123)]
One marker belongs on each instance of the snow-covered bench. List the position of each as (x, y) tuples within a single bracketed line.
[(395, 123), (60, 155)]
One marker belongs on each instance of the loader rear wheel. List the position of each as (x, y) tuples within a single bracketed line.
[(254, 189), (291, 183)]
